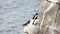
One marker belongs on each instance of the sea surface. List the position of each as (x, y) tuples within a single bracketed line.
[(14, 13)]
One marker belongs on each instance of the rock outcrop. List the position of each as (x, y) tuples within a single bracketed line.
[(48, 21), (49, 17)]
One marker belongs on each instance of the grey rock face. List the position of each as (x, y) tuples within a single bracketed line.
[(51, 13)]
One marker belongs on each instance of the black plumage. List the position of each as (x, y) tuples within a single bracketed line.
[(35, 15), (26, 23), (36, 18)]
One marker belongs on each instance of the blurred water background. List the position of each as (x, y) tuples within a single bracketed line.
[(14, 13)]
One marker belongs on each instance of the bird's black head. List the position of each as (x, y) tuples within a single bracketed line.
[(34, 16)]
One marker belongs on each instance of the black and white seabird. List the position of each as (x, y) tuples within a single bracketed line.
[(35, 20), (32, 20), (35, 15)]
